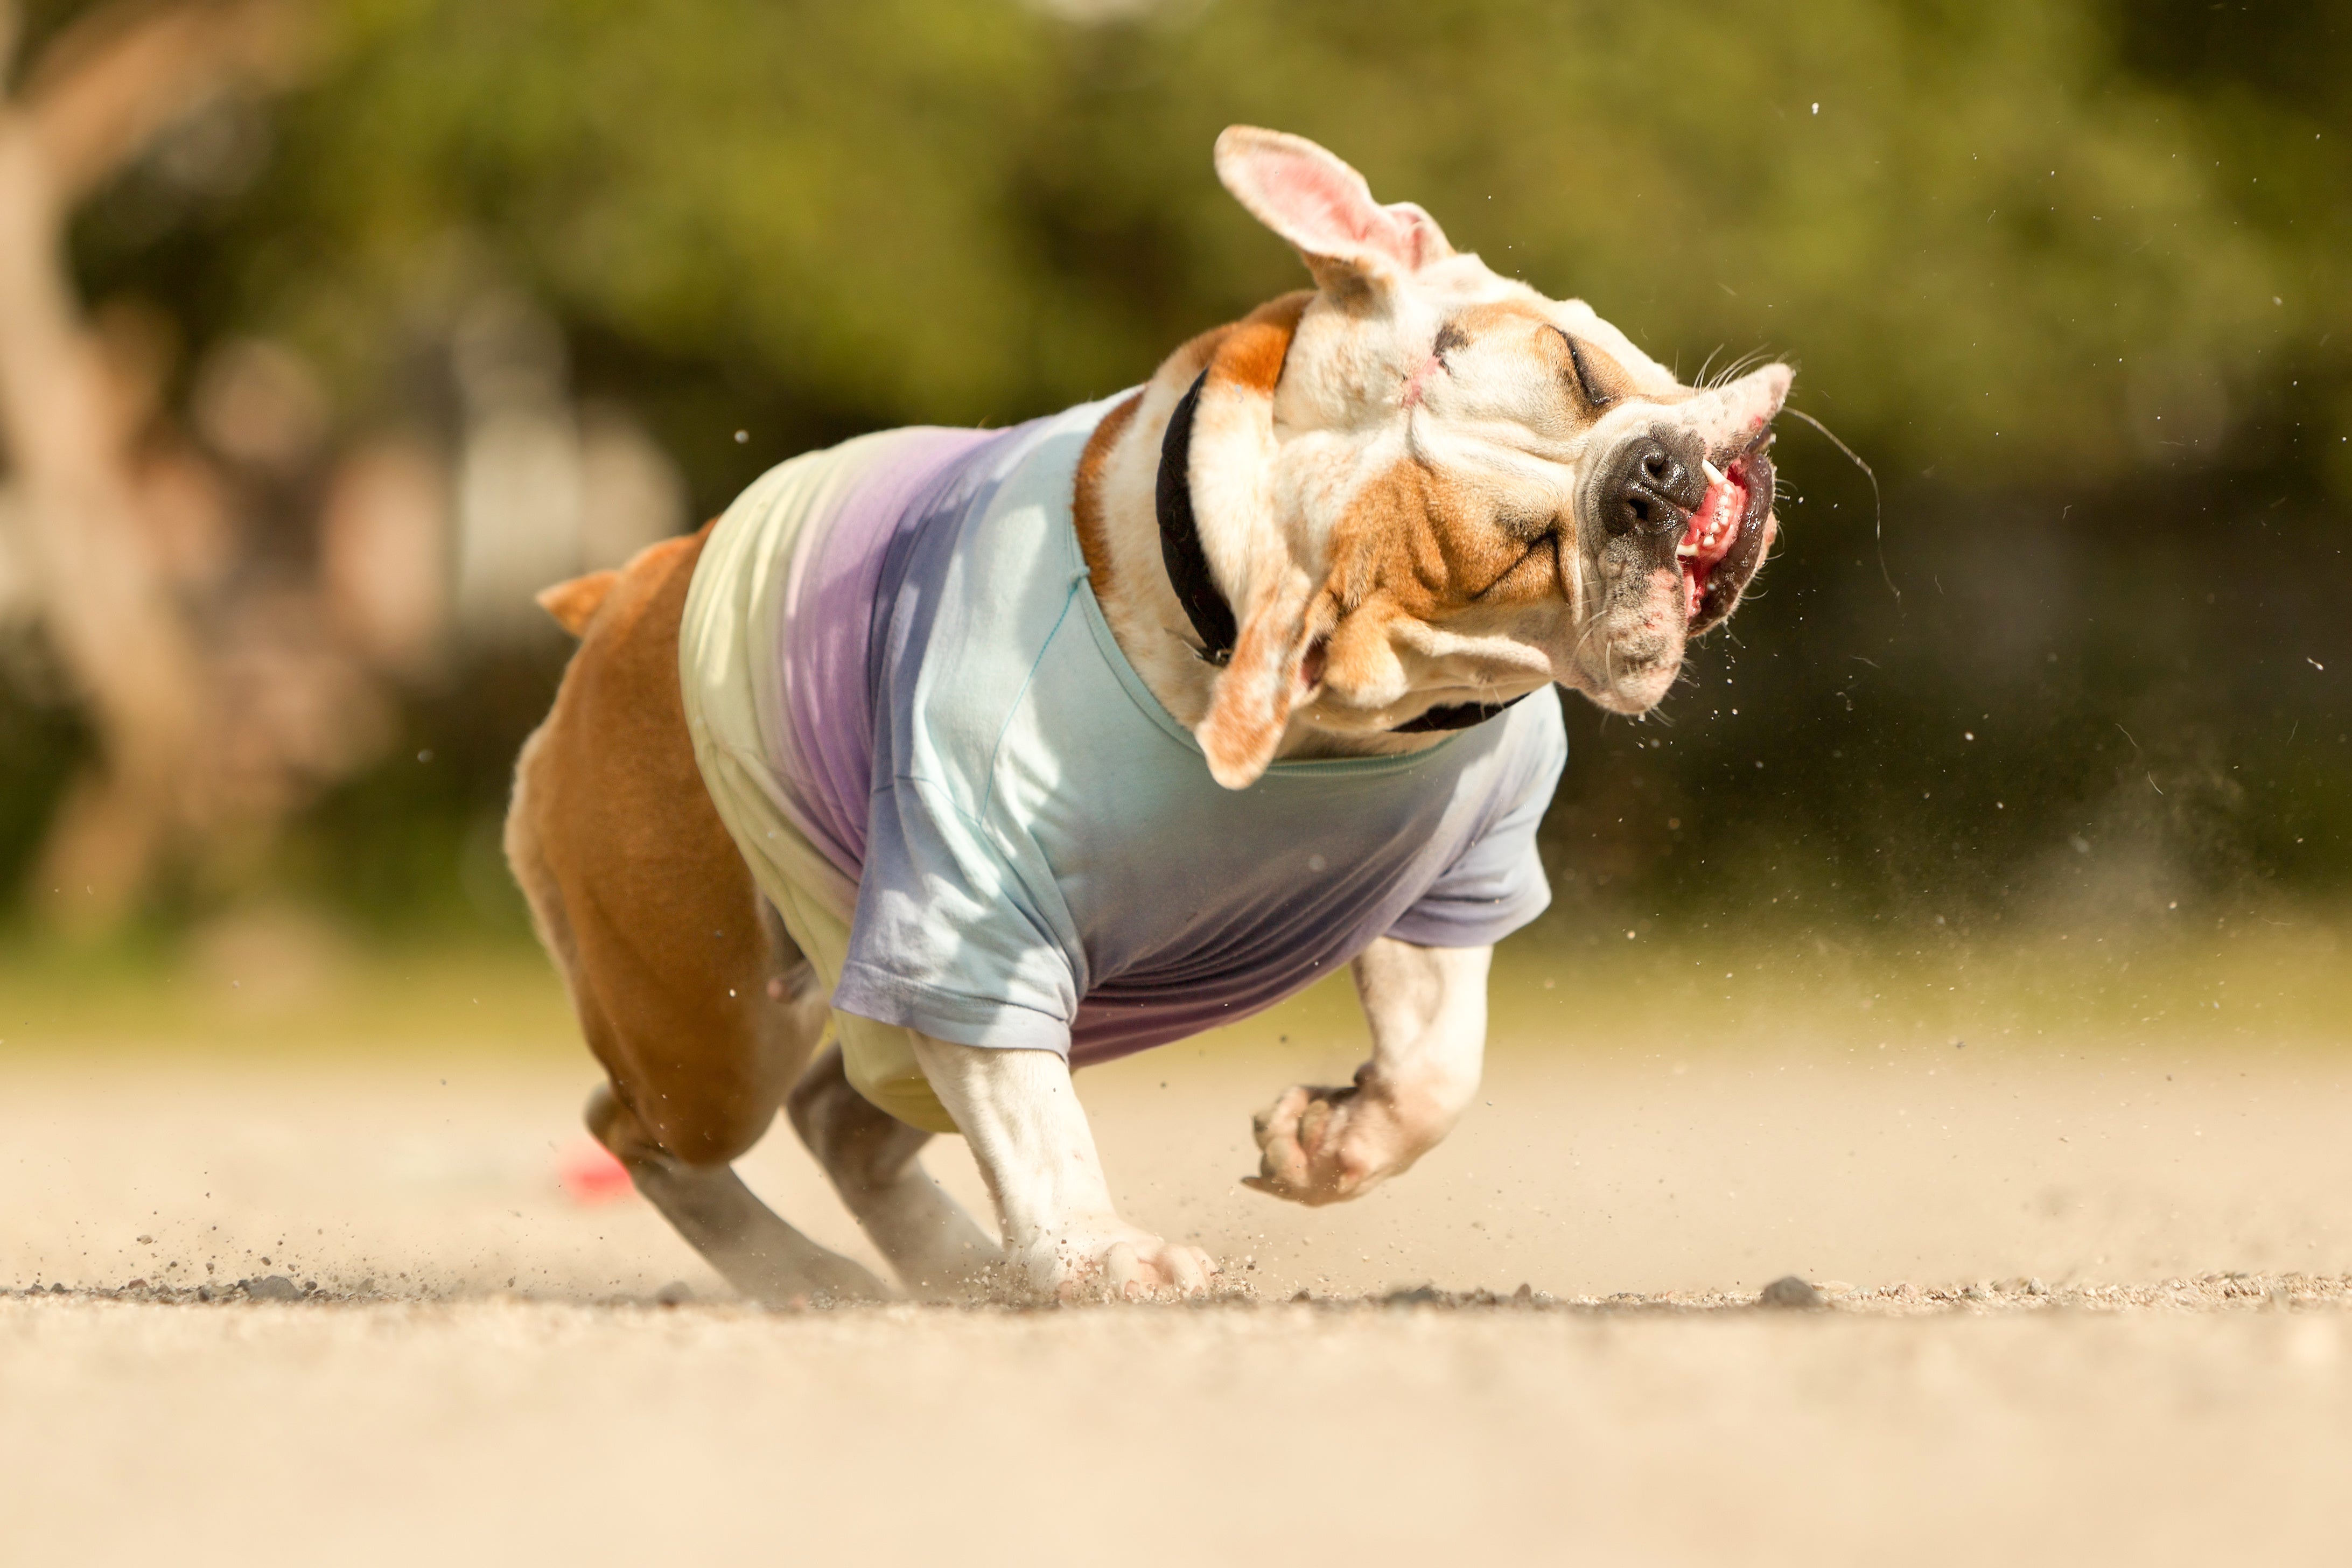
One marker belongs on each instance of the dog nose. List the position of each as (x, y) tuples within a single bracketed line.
[(1652, 486)]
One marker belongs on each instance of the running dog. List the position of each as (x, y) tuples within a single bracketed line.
[(1001, 753)]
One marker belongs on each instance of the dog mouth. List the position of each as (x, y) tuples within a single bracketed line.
[(1723, 541)]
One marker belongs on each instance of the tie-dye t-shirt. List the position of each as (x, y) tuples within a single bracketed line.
[(1031, 848)]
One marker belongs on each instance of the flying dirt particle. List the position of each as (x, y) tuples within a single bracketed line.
[(1791, 1292)]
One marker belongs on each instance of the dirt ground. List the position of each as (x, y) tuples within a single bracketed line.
[(2088, 1300)]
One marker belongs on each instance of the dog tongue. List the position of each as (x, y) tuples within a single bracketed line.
[(1714, 528)]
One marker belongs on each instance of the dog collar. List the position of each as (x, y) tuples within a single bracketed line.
[(1179, 537), (1196, 586)]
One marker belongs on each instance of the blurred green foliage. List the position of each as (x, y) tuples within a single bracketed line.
[(2071, 274), (1977, 225)]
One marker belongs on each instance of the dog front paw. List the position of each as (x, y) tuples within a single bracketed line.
[(1112, 1263), (1326, 1146)]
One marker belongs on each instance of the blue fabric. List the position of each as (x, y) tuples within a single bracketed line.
[(1048, 863)]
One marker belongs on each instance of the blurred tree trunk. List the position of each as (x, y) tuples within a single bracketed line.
[(102, 93)]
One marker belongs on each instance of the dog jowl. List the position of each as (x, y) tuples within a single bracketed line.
[(1009, 752)]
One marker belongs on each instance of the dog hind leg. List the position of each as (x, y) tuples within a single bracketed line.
[(747, 1242), (663, 942), (752, 1248), (871, 1157)]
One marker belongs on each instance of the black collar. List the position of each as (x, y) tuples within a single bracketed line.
[(1196, 586)]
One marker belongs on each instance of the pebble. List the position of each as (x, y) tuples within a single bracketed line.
[(1790, 1291), (272, 1288)]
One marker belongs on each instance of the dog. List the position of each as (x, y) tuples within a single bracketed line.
[(999, 752)]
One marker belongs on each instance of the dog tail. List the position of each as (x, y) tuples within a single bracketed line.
[(573, 601)]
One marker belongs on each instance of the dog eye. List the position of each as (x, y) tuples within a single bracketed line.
[(1588, 387)]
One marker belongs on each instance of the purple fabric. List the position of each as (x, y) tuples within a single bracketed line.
[(825, 753)]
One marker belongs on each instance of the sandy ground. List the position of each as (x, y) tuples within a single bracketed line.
[(2087, 1303)]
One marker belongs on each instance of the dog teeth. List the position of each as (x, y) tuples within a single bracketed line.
[(1714, 474), (1685, 550)]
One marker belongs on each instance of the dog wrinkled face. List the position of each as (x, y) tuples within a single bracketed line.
[(1471, 490)]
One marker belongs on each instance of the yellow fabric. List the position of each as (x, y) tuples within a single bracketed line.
[(742, 566)]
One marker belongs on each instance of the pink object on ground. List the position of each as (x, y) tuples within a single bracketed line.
[(590, 1175)]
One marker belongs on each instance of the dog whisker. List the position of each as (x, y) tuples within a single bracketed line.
[(1877, 499), (1737, 368)]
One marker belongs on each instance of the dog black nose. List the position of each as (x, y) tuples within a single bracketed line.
[(1653, 484)]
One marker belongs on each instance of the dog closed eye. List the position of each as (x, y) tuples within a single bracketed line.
[(1591, 370)]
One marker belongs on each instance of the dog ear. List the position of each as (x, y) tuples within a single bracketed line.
[(1249, 705), (1278, 611), (1324, 207)]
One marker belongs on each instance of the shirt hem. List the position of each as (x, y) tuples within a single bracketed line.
[(868, 993), (1423, 927)]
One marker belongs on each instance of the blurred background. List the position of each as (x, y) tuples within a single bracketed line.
[(331, 330)]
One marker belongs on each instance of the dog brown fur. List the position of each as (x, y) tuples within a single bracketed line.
[(575, 602), (644, 899), (1085, 499)]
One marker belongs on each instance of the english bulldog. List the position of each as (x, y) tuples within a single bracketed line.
[(989, 755)]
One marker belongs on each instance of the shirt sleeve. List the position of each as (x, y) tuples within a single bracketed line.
[(956, 931), (1497, 884)]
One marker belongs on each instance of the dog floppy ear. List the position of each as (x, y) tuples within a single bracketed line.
[(1324, 207), (1250, 703), (1278, 609)]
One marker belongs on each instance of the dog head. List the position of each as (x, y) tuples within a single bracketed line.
[(1424, 485)]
